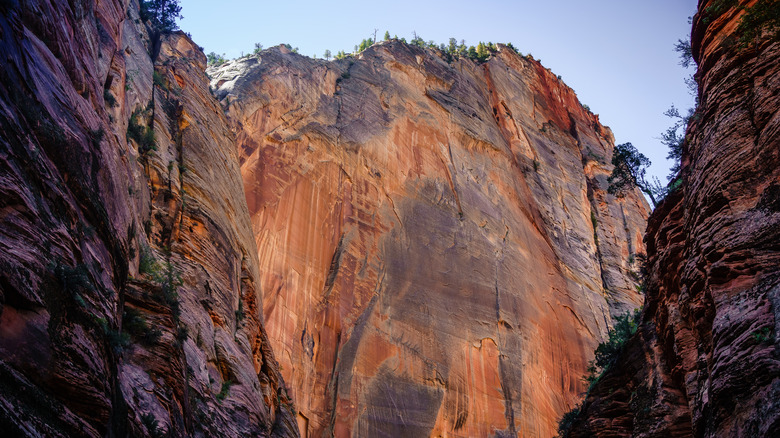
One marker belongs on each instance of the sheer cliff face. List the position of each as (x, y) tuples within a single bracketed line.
[(129, 294), (706, 361), (426, 237)]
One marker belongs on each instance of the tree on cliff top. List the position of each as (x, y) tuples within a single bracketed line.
[(162, 13), (629, 172)]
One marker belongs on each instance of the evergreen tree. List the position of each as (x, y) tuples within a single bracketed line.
[(387, 35), (482, 53), (327, 54), (365, 44), (215, 59), (452, 46), (629, 172), (162, 14)]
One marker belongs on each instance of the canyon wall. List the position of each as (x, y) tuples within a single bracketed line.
[(437, 250), (705, 362), (130, 302)]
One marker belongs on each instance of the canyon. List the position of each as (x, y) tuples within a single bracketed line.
[(396, 243)]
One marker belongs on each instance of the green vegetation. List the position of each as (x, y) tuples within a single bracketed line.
[(629, 172), (134, 323), (763, 16), (449, 52), (162, 14), (567, 421), (607, 355), (240, 312), (225, 390), (165, 274), (365, 44), (152, 426), (75, 281), (109, 98), (147, 264), (96, 136), (215, 59), (159, 80), (763, 335), (169, 279), (142, 135), (674, 137), (595, 222), (118, 341)]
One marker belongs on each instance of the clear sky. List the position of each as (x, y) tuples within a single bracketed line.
[(618, 55)]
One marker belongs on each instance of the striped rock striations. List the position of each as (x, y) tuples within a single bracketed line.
[(705, 362), (437, 250), (130, 302)]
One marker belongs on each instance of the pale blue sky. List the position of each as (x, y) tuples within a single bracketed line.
[(618, 55)]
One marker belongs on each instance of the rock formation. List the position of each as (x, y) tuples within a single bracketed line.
[(705, 362), (130, 302), (437, 250)]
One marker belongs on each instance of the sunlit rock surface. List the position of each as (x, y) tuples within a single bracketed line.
[(437, 250)]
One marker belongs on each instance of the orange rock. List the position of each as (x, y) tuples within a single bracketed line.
[(426, 240)]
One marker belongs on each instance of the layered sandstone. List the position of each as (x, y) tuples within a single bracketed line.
[(706, 360), (438, 252), (130, 302)]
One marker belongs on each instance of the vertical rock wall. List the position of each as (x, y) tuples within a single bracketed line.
[(129, 294), (437, 249), (705, 362)]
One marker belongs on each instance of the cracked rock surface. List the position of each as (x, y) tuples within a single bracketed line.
[(437, 250)]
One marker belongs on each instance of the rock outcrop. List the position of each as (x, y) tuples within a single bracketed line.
[(130, 302), (438, 252), (706, 362)]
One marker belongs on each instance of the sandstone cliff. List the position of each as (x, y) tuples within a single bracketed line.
[(705, 362), (438, 252), (130, 302)]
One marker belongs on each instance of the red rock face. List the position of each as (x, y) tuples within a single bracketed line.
[(438, 252), (706, 360), (129, 294)]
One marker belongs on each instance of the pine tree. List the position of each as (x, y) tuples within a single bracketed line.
[(162, 14), (327, 54), (482, 53), (387, 35), (453, 46)]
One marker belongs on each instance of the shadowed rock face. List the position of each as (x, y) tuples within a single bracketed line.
[(438, 252), (705, 362), (129, 286)]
